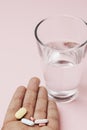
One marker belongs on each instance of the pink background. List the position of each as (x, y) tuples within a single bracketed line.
[(19, 59)]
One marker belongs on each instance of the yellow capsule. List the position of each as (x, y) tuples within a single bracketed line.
[(20, 113)]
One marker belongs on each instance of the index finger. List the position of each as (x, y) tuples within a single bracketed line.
[(31, 96), (53, 115)]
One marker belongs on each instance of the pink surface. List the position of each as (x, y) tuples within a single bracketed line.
[(19, 59)]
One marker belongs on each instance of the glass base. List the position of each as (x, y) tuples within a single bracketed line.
[(63, 96)]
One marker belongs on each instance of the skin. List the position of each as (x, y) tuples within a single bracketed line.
[(34, 98)]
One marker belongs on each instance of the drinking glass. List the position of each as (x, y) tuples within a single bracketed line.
[(62, 45)]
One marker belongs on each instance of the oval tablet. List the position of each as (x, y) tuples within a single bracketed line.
[(20, 113), (41, 121), (27, 122)]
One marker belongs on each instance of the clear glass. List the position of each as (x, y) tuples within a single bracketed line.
[(62, 44)]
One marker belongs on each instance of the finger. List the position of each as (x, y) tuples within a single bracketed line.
[(15, 104), (53, 115), (31, 96), (41, 104)]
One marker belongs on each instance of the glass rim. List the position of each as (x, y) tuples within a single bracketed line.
[(45, 45)]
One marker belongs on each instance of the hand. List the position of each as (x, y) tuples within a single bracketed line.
[(35, 100)]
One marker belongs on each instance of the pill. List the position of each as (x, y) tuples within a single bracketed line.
[(41, 121), (32, 119), (43, 124), (20, 113), (27, 122)]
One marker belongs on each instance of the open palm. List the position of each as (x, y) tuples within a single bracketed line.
[(35, 100)]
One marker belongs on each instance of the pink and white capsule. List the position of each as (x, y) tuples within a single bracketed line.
[(41, 121)]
